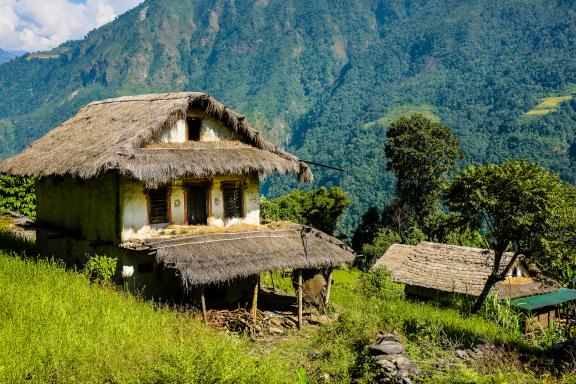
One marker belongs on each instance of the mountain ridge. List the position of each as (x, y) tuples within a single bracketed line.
[(325, 79)]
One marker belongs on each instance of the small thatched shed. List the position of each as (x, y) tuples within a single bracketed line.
[(433, 270), (216, 258), (458, 269)]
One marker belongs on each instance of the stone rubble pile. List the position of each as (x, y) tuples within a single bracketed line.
[(388, 357)]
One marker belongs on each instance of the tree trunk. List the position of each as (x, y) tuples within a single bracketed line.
[(492, 279)]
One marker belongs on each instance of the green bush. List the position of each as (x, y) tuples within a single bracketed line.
[(100, 268), (374, 250), (379, 284), (18, 194), (320, 208)]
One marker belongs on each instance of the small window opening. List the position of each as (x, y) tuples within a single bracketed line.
[(194, 125), (158, 199), (233, 202)]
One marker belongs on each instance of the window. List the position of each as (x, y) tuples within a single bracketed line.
[(233, 202), (194, 125), (158, 205)]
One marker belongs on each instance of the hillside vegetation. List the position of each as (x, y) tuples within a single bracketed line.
[(325, 78), (57, 327)]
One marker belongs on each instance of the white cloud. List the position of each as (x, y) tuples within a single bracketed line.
[(33, 25)]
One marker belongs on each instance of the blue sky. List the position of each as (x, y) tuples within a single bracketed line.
[(38, 25)]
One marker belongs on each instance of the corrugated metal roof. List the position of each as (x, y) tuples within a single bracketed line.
[(560, 296)]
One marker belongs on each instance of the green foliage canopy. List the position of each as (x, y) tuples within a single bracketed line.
[(18, 194), (519, 206), (320, 208), (421, 153)]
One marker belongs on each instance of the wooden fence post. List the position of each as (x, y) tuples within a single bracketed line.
[(328, 287), (203, 302), (299, 299)]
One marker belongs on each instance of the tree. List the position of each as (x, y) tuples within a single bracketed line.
[(519, 207), (320, 208), (420, 153), (367, 229)]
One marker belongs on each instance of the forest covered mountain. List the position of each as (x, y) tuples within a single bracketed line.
[(5, 56), (325, 78)]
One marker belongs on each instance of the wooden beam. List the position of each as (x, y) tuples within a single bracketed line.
[(328, 288), (299, 299), (203, 302), (255, 299)]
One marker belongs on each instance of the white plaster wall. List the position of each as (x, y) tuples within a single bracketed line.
[(211, 130), (134, 208), (251, 201), (215, 130), (175, 134), (177, 203)]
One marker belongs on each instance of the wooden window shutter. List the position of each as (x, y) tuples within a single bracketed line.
[(233, 201), (158, 205)]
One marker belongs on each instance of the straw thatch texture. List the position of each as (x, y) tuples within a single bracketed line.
[(220, 257), (109, 135), (451, 268)]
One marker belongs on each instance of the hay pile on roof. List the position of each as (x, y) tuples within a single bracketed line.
[(451, 268), (112, 135), (220, 257)]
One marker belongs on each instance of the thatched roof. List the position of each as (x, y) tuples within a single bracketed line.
[(215, 258), (451, 268), (112, 135)]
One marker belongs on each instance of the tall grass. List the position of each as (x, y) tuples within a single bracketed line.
[(56, 326), (369, 304)]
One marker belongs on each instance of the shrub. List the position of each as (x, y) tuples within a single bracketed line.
[(320, 208), (379, 284), (100, 268), (502, 313), (18, 194), (371, 252)]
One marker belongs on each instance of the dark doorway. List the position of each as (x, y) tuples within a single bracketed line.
[(197, 205)]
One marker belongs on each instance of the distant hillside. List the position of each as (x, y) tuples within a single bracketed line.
[(325, 78), (5, 56)]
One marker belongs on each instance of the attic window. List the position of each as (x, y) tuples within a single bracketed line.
[(158, 205), (233, 202), (194, 125)]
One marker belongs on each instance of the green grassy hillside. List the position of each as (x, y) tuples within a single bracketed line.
[(57, 327), (325, 78)]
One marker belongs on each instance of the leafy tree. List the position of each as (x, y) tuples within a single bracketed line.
[(367, 229), (320, 208), (420, 153), (374, 250), (518, 206)]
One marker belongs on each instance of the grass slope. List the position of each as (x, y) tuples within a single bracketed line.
[(55, 326)]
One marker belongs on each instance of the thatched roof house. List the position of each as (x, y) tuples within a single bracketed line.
[(457, 269), (121, 135), (114, 178)]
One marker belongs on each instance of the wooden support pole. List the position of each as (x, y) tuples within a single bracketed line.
[(254, 308), (203, 302), (328, 287), (299, 299)]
